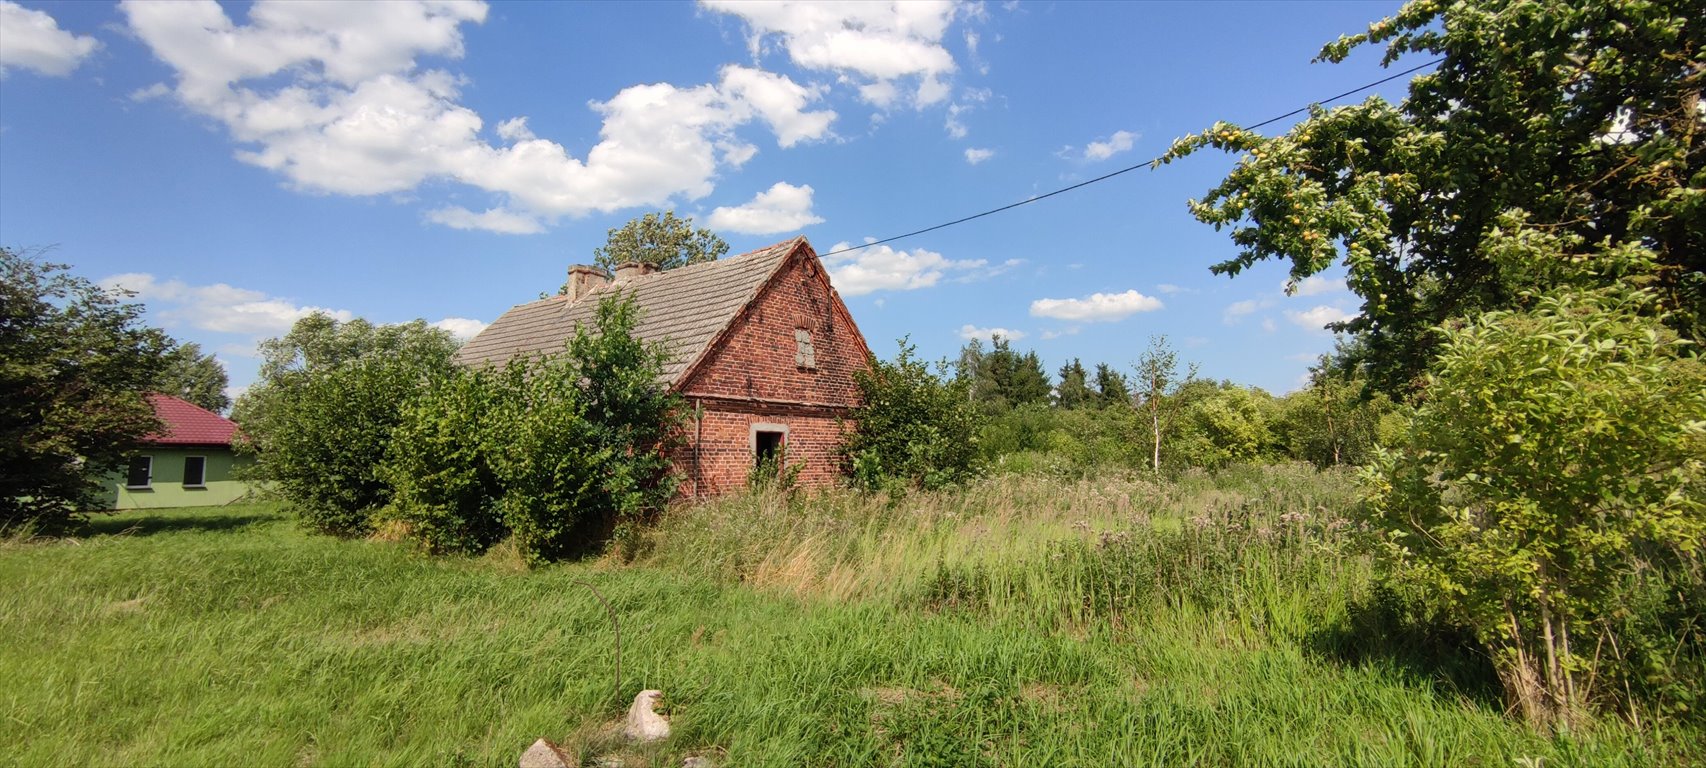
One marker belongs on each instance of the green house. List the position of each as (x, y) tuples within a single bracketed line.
[(190, 463)]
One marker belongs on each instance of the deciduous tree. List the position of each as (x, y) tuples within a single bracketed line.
[(75, 362), (1580, 121), (195, 377), (660, 239)]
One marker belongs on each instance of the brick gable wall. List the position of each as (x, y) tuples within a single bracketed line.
[(753, 377)]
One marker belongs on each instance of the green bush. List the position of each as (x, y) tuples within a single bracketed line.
[(321, 415), (912, 427), (442, 485), (1552, 489), (558, 452)]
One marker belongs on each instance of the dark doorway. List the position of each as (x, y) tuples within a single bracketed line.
[(767, 446)]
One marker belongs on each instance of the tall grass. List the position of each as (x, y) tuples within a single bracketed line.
[(1023, 621)]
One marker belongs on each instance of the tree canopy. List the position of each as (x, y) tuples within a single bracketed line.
[(197, 378), (1574, 123), (321, 413), (661, 239), (75, 362)]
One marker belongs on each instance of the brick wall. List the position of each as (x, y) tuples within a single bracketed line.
[(755, 376)]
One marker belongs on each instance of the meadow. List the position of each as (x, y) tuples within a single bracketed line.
[(1223, 619)]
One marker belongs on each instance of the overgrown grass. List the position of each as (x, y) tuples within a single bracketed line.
[(1023, 621)]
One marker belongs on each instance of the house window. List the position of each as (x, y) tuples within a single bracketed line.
[(804, 355), (140, 471), (769, 441), (195, 471)]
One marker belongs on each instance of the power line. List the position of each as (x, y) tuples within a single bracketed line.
[(1128, 169)]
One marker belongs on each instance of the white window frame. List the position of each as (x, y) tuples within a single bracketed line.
[(187, 483), (145, 486)]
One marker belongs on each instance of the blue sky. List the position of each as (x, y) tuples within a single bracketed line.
[(239, 165)]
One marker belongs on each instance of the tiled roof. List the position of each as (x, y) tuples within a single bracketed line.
[(188, 424), (685, 308)]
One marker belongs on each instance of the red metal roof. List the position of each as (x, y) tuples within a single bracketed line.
[(189, 424)]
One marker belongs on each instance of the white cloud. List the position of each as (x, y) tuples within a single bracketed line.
[(218, 307), (150, 93), (492, 220), (1316, 318), (881, 268), (33, 40), (780, 102), (1121, 141), (1313, 285), (1068, 331), (782, 208), (975, 155), (334, 98), (515, 129), (1238, 310), (969, 332), (462, 328), (1097, 307), (876, 44), (1268, 325)]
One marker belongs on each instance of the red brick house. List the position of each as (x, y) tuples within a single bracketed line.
[(760, 346)]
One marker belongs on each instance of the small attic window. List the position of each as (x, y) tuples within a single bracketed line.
[(804, 355)]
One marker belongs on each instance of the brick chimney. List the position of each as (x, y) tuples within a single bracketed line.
[(584, 279), (629, 270)]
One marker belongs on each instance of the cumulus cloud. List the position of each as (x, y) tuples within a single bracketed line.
[(1096, 308), (871, 44), (335, 98), (462, 328), (975, 155), (969, 332), (1238, 310), (218, 307), (32, 40), (881, 268), (1121, 141), (1313, 285), (782, 208), (1317, 318)]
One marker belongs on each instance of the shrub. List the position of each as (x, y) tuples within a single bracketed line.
[(1552, 480), (912, 426), (557, 451), (441, 483), (321, 415)]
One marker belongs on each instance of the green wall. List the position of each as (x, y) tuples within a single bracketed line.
[(166, 487)]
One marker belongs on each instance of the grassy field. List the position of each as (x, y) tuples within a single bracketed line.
[(1023, 621)]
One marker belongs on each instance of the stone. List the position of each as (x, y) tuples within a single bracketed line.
[(644, 723), (695, 761), (544, 754)]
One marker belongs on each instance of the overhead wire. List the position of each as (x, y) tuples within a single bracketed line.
[(1128, 169)]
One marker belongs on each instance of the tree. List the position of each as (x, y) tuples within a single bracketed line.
[(1579, 122), (320, 416), (913, 426), (1558, 463), (1073, 392), (1111, 387), (1223, 423), (660, 239), (195, 377), (1158, 386), (1335, 420), (75, 362)]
